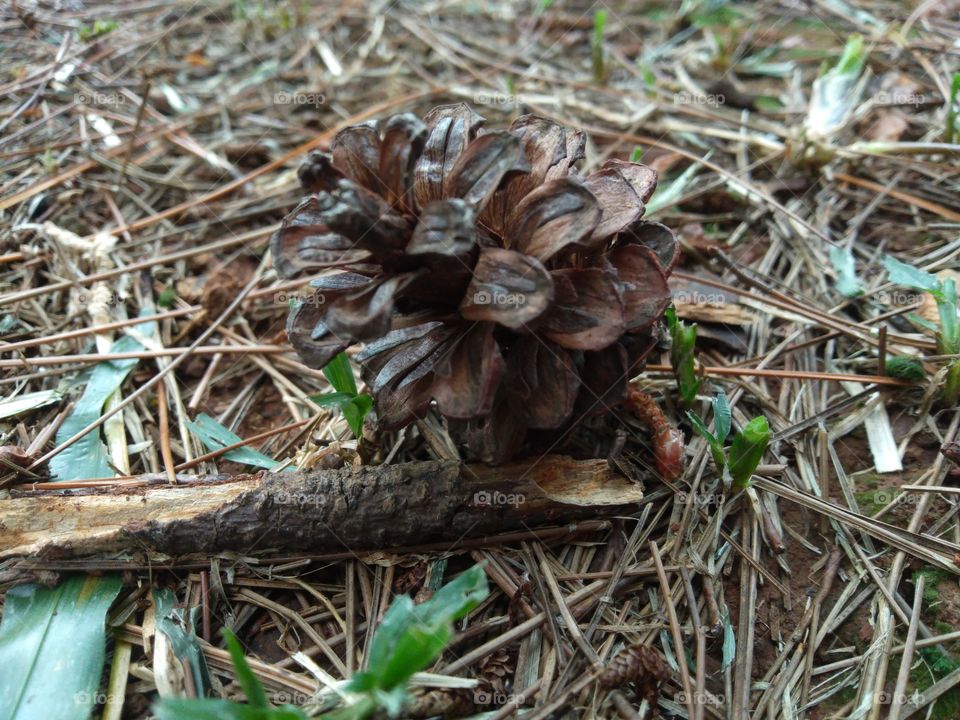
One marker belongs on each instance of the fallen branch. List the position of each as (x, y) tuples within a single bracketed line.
[(355, 509)]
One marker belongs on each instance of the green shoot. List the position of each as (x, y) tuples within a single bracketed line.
[(722, 417), (409, 638), (904, 368), (355, 406), (248, 681), (100, 27), (649, 79), (834, 94), (953, 121), (210, 708), (599, 67), (721, 424), (166, 297), (340, 374), (684, 338), (903, 274), (944, 292), (747, 450), (741, 461), (713, 442)]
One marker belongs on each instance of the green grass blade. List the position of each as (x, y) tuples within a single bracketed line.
[(210, 709), (410, 637), (953, 127), (177, 625), (248, 681), (716, 447), (355, 411), (52, 648), (599, 68), (215, 436), (332, 400), (340, 374), (949, 335), (87, 458)]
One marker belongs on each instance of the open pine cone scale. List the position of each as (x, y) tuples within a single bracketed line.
[(480, 271)]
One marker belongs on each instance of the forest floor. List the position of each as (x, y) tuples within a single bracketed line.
[(149, 149)]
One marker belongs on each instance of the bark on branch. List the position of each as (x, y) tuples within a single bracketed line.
[(356, 509)]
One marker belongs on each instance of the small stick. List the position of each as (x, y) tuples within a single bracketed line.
[(623, 707), (96, 329), (733, 371), (882, 350), (133, 136), (350, 590), (701, 640), (573, 629), (674, 627), (713, 610), (204, 383), (629, 572), (205, 599), (903, 676), (823, 447), (241, 239), (144, 354), (165, 450)]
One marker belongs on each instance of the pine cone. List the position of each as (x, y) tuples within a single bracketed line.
[(447, 703), (640, 664), (482, 273), (495, 671)]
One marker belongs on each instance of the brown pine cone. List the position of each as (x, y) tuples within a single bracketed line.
[(483, 273), (640, 664), (447, 703), (495, 670)]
